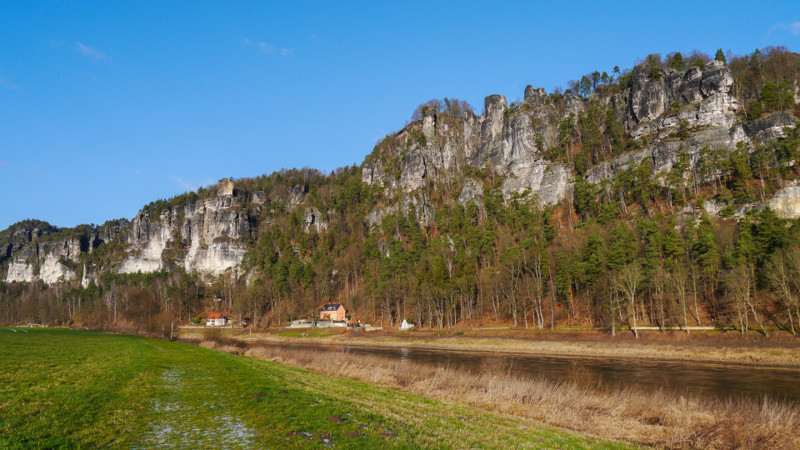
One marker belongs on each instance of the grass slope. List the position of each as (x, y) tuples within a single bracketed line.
[(64, 388)]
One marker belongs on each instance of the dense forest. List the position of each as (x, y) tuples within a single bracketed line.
[(640, 249)]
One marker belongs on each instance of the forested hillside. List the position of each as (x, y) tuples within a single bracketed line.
[(663, 195)]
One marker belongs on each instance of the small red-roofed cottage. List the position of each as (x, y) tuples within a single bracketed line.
[(216, 320), (333, 311)]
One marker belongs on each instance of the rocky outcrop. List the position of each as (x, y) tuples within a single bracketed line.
[(508, 143), (147, 239), (204, 237), (20, 234), (51, 261), (20, 270), (769, 128), (786, 202), (207, 236), (471, 192), (416, 205), (513, 142), (313, 220), (667, 112), (698, 97)]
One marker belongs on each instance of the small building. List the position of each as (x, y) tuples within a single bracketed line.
[(405, 325), (302, 323), (216, 320), (333, 311)]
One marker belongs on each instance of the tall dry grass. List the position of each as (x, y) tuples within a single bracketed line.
[(582, 403)]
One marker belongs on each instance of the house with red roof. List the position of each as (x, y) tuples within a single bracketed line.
[(216, 320), (333, 311)]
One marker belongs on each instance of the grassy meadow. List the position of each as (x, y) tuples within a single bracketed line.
[(581, 402), (67, 388)]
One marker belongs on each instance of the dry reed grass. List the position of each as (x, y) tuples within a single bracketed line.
[(724, 348), (724, 351), (583, 403)]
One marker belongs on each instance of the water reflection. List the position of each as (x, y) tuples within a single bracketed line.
[(721, 380)]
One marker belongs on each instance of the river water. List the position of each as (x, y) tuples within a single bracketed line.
[(719, 380)]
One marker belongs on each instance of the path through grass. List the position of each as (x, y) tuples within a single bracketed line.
[(64, 388)]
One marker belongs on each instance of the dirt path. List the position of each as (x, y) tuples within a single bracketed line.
[(192, 414)]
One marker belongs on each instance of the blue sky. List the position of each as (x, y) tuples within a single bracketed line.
[(106, 106)]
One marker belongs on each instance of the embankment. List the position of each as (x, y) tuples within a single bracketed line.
[(582, 403)]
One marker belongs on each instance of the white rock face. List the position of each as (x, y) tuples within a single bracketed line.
[(20, 271), (48, 256), (472, 190), (215, 259), (313, 219), (376, 215), (148, 242), (786, 202), (512, 143), (372, 173), (215, 233), (204, 237), (53, 271), (706, 95), (207, 237)]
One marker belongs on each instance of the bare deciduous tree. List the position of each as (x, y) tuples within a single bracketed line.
[(628, 281)]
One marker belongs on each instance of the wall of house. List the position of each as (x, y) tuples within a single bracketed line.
[(339, 314)]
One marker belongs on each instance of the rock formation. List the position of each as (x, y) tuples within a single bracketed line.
[(210, 234), (513, 142)]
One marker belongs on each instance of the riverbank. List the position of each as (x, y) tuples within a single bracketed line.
[(581, 403), (77, 389), (708, 347)]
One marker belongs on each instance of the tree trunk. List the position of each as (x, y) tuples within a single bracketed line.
[(633, 306), (613, 323)]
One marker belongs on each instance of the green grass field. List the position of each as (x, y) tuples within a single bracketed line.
[(65, 388)]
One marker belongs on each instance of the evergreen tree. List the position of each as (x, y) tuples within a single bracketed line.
[(676, 61), (720, 56)]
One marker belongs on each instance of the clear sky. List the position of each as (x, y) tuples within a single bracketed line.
[(106, 106)]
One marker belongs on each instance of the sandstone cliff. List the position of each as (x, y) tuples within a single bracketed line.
[(207, 236), (441, 158), (513, 142)]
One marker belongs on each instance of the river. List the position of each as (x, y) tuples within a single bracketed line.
[(719, 380)]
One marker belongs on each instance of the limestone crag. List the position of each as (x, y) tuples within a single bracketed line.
[(20, 235), (49, 261), (701, 97), (204, 237), (786, 202), (513, 141), (522, 147), (313, 220)]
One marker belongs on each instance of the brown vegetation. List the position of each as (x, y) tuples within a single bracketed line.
[(582, 403), (708, 347)]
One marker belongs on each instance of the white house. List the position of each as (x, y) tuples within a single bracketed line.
[(405, 325), (216, 320)]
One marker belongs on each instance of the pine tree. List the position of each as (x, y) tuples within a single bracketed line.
[(720, 56)]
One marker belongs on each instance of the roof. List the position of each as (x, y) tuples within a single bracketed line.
[(215, 316), (331, 307)]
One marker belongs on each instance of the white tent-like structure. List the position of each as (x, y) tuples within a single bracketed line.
[(405, 325)]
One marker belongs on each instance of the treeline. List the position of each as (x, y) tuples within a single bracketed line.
[(504, 260), (453, 107), (145, 302), (764, 80), (624, 252)]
